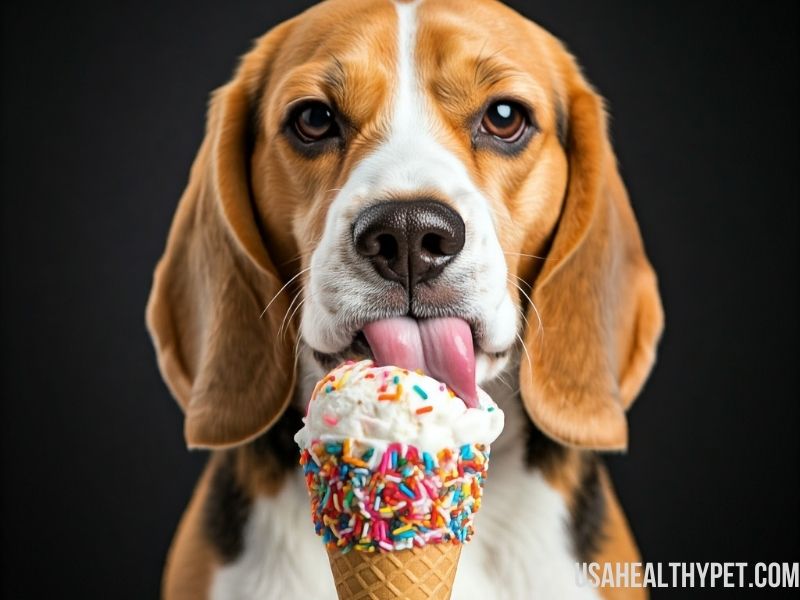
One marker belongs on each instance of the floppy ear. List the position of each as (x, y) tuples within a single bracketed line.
[(597, 296), (221, 359)]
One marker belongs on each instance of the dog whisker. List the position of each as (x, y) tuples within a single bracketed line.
[(297, 351), (520, 279), (285, 285), (286, 314), (502, 379), (291, 317), (527, 354), (540, 328), (300, 256), (526, 255)]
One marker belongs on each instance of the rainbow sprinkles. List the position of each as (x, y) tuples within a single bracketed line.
[(391, 500)]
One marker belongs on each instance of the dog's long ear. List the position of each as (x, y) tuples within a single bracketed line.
[(221, 359), (597, 296)]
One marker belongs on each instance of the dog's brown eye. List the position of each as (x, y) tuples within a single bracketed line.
[(504, 120), (314, 121)]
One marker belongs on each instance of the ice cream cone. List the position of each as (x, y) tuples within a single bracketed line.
[(415, 574), (395, 465)]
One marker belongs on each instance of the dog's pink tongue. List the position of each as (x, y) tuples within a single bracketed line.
[(440, 347)]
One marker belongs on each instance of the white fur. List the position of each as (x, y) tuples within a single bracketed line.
[(283, 558), (344, 292)]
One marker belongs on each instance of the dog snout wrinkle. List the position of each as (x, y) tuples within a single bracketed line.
[(409, 241)]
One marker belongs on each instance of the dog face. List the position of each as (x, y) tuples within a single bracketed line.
[(428, 182)]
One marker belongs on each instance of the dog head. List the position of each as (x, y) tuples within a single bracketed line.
[(430, 183)]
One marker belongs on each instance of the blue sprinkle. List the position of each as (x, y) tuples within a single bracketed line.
[(406, 490), (394, 459), (466, 452), (428, 462), (333, 448), (405, 535), (396, 379), (420, 392), (328, 389)]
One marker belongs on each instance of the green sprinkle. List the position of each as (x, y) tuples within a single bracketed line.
[(420, 392), (490, 409), (396, 379)]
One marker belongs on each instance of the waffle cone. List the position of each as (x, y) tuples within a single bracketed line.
[(424, 573)]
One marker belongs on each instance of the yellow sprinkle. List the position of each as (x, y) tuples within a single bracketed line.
[(343, 380), (401, 529), (346, 447)]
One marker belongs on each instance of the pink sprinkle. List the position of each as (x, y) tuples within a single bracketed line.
[(441, 388), (430, 488), (330, 420), (384, 462), (380, 530)]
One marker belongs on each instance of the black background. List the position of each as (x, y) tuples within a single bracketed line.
[(103, 110)]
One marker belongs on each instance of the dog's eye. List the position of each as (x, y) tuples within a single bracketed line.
[(314, 121), (504, 120)]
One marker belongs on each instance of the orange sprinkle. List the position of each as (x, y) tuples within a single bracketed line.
[(424, 409), (351, 460)]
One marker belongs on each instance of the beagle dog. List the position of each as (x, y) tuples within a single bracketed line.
[(440, 173)]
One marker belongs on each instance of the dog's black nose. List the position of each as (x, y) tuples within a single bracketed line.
[(409, 241)]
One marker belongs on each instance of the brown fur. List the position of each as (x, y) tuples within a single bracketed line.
[(254, 210), (192, 558)]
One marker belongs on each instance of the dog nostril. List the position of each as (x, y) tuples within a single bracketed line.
[(437, 244), (432, 244), (387, 246)]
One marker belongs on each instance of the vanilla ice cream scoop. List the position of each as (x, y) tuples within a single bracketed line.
[(382, 405)]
